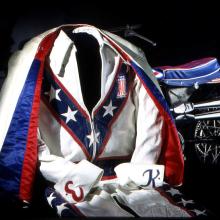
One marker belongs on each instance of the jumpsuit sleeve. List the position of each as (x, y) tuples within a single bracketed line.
[(157, 144), (72, 180)]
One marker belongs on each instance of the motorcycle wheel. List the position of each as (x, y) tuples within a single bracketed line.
[(207, 144)]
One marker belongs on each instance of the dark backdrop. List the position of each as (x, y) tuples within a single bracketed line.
[(183, 30)]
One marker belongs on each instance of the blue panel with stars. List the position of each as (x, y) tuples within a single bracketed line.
[(112, 106), (57, 202), (66, 111), (74, 119)]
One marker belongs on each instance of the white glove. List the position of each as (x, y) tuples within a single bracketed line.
[(141, 175), (75, 186)]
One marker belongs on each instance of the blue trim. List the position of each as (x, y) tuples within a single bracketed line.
[(102, 124), (152, 87), (80, 128), (14, 146)]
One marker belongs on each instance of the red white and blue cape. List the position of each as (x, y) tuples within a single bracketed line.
[(43, 117)]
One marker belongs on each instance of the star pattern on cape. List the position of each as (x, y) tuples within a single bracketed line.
[(70, 115), (109, 109), (173, 191), (199, 212), (50, 199), (93, 138), (54, 94), (185, 202), (60, 208)]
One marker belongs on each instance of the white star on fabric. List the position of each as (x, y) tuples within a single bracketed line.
[(173, 192), (93, 138), (198, 212), (185, 202), (50, 199), (109, 109), (60, 208), (54, 94), (70, 115)]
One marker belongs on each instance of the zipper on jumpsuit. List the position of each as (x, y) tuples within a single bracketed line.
[(94, 139), (91, 119)]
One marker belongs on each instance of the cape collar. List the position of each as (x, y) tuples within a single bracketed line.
[(63, 63)]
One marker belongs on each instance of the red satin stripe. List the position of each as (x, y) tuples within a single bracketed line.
[(30, 155)]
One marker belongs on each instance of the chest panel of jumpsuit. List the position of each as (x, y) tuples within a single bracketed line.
[(92, 133)]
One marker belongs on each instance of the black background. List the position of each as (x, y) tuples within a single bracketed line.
[(183, 30)]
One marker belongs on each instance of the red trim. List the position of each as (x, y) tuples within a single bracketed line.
[(30, 155), (63, 124), (46, 46), (108, 135), (112, 85), (108, 178), (77, 210), (47, 42), (164, 194), (68, 93), (171, 152)]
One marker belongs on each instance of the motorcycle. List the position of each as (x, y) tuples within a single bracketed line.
[(192, 91)]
